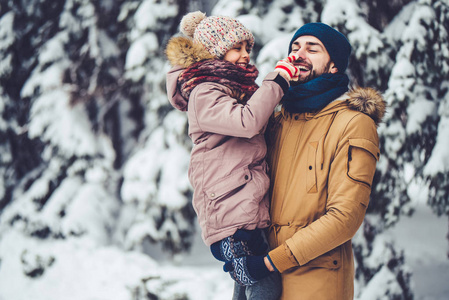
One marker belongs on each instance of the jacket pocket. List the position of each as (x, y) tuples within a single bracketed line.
[(331, 260), (311, 167), (223, 209), (228, 184), (362, 157)]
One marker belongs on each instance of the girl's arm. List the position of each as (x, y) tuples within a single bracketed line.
[(214, 111)]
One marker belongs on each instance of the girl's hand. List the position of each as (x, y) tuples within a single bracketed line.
[(286, 68)]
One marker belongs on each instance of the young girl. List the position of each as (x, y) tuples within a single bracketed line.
[(213, 81)]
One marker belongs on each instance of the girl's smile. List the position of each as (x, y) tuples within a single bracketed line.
[(239, 54)]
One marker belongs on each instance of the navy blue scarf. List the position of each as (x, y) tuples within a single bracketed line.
[(316, 93)]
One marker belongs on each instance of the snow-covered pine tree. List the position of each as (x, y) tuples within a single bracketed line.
[(7, 113), (19, 154), (93, 154), (80, 102), (416, 89), (155, 189), (61, 188), (436, 169), (73, 113), (414, 165)]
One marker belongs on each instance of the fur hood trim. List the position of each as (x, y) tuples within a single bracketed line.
[(183, 51), (368, 101)]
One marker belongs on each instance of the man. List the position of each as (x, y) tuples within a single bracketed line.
[(323, 149), (322, 152)]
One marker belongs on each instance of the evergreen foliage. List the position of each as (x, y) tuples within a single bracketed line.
[(94, 161)]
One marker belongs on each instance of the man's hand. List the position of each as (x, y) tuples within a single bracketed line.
[(268, 264)]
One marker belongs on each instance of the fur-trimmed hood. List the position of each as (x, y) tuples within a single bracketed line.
[(183, 52), (369, 101)]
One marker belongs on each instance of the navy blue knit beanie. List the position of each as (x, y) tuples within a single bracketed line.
[(337, 45)]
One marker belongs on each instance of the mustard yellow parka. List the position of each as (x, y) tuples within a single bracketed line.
[(322, 166)]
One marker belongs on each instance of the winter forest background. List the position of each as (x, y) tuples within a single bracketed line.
[(94, 195)]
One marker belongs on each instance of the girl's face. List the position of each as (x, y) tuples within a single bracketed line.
[(239, 54)]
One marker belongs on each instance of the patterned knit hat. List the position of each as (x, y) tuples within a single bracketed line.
[(218, 34), (337, 45)]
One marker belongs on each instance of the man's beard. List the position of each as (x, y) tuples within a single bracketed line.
[(313, 74)]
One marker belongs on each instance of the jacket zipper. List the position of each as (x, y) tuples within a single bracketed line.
[(299, 136)]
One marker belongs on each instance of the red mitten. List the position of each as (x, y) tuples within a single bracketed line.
[(286, 68)]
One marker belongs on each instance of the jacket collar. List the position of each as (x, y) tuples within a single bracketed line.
[(366, 100)]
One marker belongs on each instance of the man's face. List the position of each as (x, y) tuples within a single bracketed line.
[(313, 58)]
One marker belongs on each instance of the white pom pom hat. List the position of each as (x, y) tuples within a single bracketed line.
[(217, 34)]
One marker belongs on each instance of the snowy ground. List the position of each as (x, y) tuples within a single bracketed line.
[(83, 271), (202, 261), (422, 237)]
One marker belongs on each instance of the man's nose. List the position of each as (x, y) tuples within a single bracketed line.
[(301, 54)]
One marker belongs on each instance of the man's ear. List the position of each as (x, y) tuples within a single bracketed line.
[(333, 68)]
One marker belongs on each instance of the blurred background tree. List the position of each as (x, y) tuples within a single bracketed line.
[(93, 154)]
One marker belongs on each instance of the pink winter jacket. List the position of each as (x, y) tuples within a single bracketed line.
[(227, 169)]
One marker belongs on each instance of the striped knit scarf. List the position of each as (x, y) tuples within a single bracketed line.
[(241, 81)]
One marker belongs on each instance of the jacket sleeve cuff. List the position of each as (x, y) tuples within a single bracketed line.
[(282, 258), (274, 76)]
